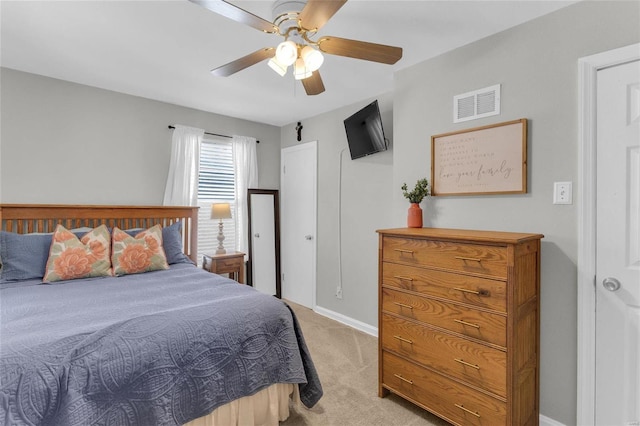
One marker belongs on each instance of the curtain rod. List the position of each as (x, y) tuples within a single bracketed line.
[(214, 134)]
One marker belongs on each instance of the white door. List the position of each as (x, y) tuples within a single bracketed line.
[(618, 246), (263, 243), (298, 223)]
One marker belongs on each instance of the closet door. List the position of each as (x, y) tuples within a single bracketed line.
[(263, 267)]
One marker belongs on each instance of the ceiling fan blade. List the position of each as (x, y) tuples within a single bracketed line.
[(230, 11), (360, 50), (316, 13), (313, 85), (244, 62)]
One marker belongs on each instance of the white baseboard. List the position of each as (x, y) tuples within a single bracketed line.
[(373, 331), (546, 421), (358, 325)]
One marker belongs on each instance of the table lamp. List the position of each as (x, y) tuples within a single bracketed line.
[(220, 211)]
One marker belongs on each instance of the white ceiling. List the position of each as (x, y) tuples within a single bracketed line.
[(164, 50)]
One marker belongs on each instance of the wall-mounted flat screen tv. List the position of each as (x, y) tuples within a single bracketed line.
[(365, 135)]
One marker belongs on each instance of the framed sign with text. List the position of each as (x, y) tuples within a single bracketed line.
[(483, 160)]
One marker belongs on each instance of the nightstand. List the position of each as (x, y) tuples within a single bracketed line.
[(228, 263)]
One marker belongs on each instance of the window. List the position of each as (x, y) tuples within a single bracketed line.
[(216, 184)]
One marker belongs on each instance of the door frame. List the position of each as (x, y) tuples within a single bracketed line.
[(588, 68), (313, 147)]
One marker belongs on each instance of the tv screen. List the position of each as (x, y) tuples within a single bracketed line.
[(365, 135)]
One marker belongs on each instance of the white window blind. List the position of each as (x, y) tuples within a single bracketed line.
[(216, 184)]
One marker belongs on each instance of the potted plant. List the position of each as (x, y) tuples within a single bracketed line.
[(415, 197)]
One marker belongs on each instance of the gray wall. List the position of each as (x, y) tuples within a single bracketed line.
[(536, 64), (68, 143), (366, 191)]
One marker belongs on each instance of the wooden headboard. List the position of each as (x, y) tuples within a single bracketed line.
[(27, 218)]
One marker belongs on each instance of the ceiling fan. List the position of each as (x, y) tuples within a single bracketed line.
[(299, 50)]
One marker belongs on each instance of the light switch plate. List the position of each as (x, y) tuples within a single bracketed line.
[(563, 193)]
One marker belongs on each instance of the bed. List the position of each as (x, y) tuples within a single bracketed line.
[(172, 346)]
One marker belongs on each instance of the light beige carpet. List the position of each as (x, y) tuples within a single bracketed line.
[(347, 363)]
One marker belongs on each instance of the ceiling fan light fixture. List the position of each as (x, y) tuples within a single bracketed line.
[(300, 71), (298, 22), (313, 59), (275, 65), (287, 52)]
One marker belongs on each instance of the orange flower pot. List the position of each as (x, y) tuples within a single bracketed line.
[(414, 216)]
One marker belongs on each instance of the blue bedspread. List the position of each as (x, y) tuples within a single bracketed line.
[(159, 348)]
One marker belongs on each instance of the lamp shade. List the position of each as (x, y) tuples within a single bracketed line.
[(221, 211), (312, 58), (300, 71), (287, 53), (277, 66)]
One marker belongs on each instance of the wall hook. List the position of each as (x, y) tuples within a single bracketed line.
[(299, 130)]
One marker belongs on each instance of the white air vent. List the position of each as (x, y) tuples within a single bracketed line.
[(477, 104)]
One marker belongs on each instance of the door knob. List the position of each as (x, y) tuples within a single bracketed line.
[(611, 284), (308, 237), (257, 235)]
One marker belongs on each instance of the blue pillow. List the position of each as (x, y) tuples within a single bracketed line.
[(171, 243), (23, 256)]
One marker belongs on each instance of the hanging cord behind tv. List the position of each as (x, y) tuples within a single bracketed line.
[(339, 289)]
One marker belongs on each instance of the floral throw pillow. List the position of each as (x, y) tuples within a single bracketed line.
[(142, 253), (71, 257)]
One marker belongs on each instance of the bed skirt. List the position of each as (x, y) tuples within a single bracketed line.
[(267, 407)]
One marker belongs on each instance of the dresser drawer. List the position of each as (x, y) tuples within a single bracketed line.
[(460, 319), (446, 398), (471, 362), (470, 258), (490, 294)]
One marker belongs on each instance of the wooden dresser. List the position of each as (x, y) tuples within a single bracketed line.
[(458, 320)]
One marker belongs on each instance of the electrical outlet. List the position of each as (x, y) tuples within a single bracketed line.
[(339, 293), (562, 193)]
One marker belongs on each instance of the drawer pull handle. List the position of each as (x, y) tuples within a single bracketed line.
[(467, 410), (403, 379), (402, 278), (477, 367), (402, 305), (465, 290), (470, 259), (467, 323), (481, 292), (402, 339), (403, 251)]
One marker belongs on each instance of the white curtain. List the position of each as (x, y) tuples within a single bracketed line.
[(182, 181), (246, 166)]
